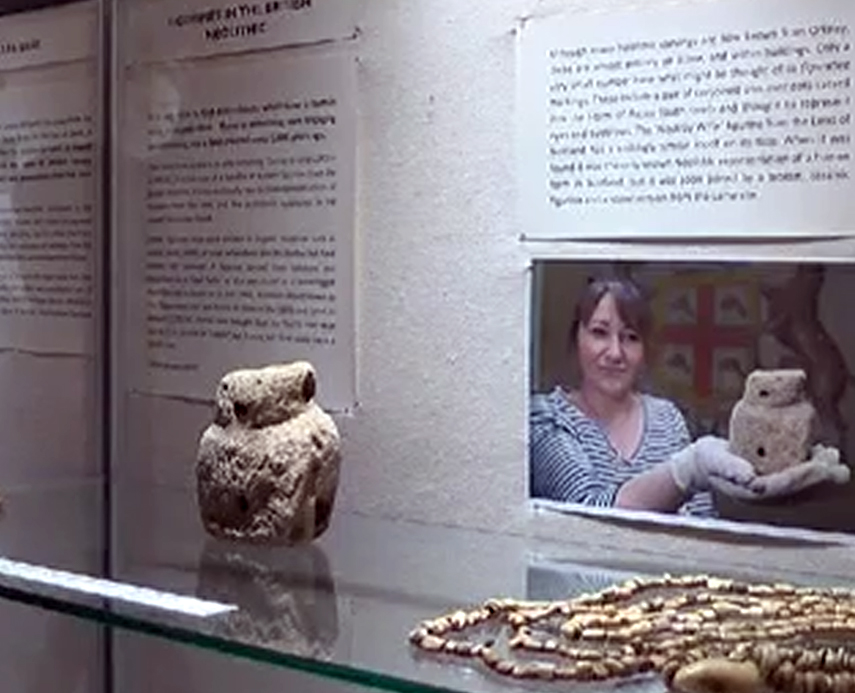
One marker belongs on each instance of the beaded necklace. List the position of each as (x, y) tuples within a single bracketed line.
[(701, 634)]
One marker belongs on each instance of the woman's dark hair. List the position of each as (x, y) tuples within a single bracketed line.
[(632, 307)]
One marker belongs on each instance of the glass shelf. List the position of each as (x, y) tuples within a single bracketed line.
[(341, 607)]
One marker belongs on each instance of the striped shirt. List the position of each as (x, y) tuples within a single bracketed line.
[(571, 458)]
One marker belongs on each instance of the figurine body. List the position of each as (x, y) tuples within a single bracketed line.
[(267, 467), (774, 425)]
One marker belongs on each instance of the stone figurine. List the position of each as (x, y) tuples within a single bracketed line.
[(267, 468), (774, 426)]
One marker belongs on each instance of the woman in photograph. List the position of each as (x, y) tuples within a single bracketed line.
[(605, 443)]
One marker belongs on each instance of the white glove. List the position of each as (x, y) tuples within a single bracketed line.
[(824, 466), (699, 466)]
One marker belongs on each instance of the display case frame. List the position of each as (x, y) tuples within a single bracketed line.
[(342, 608)]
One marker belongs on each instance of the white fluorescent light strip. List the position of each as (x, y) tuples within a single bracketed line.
[(113, 590)]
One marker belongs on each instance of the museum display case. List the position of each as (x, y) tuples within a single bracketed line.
[(341, 608), (225, 187)]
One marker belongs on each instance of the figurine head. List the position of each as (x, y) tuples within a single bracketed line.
[(776, 388), (263, 396)]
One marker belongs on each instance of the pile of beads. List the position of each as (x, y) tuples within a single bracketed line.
[(700, 633)]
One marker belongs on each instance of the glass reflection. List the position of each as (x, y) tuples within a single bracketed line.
[(286, 597)]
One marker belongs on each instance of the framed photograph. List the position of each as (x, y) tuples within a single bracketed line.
[(702, 393)]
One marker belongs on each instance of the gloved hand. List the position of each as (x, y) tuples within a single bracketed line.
[(824, 466), (700, 465)]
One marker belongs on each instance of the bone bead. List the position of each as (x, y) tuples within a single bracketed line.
[(717, 674), (431, 642), (504, 666)]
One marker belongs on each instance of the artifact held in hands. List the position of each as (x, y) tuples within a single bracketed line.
[(774, 425), (267, 468)]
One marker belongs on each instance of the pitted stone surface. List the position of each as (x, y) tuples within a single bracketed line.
[(267, 467), (774, 425)]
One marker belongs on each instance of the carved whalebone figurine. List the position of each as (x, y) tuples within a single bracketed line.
[(267, 468), (774, 425)]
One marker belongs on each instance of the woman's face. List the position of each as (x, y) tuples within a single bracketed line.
[(611, 354)]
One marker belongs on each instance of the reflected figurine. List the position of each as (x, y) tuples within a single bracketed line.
[(286, 599)]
